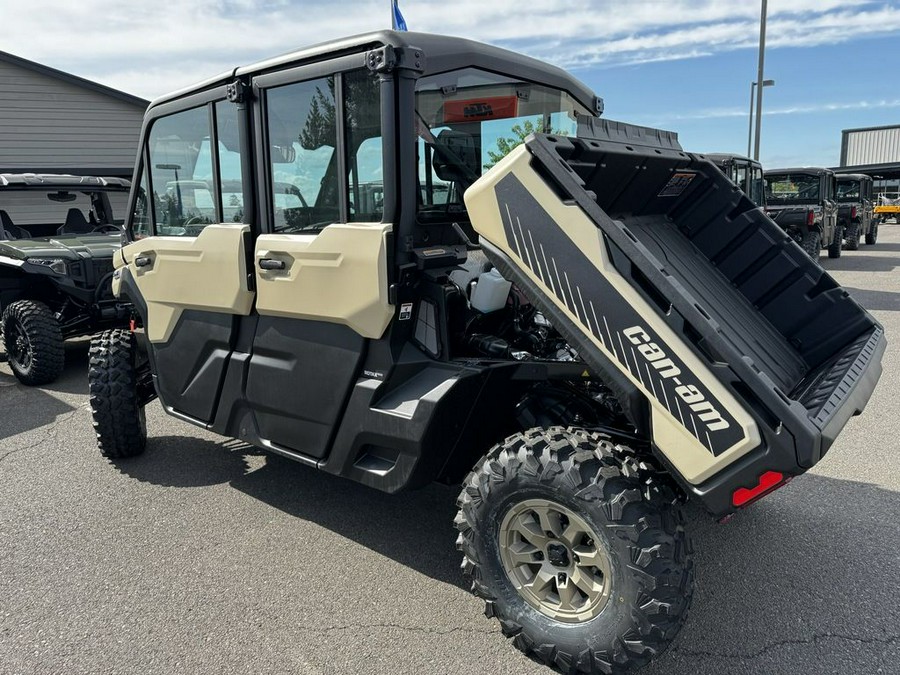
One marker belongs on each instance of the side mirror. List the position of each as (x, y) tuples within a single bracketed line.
[(456, 159), (283, 154)]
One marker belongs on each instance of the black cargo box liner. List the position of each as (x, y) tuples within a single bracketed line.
[(748, 295)]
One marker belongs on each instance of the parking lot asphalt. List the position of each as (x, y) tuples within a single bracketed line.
[(207, 556)]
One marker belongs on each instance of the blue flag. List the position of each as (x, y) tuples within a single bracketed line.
[(398, 21)]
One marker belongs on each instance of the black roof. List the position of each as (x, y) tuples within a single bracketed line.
[(817, 170), (72, 79), (57, 181), (718, 157), (440, 53), (852, 176)]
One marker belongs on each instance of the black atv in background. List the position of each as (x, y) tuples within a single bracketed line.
[(744, 172), (856, 209), (801, 202), (57, 238)]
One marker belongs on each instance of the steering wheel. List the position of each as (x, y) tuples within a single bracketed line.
[(107, 227)]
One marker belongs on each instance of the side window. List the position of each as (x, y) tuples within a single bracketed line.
[(362, 118), (302, 128), (181, 173), (140, 222), (228, 146), (740, 176)]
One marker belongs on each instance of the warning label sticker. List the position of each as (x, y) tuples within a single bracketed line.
[(677, 184)]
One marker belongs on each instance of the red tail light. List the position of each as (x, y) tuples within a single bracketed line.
[(852, 212), (810, 217), (769, 481)]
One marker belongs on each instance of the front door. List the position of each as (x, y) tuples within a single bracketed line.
[(190, 262)]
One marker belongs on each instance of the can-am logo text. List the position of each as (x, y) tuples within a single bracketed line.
[(688, 393)]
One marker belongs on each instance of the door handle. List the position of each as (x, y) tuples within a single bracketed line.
[(143, 261), (271, 264)]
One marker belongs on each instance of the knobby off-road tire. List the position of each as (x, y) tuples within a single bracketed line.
[(872, 234), (812, 244), (118, 417), (851, 237), (834, 248), (629, 545), (33, 341)]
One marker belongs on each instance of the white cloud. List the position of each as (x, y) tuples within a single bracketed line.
[(724, 113), (148, 47)]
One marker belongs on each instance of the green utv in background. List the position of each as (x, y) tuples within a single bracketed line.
[(744, 172), (58, 234), (802, 203), (856, 206), (584, 328)]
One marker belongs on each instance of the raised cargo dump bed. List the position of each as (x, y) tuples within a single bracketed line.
[(745, 349)]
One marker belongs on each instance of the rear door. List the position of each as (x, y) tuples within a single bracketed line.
[(188, 269), (321, 264)]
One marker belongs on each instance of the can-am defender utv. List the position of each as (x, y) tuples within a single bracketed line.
[(856, 216), (801, 202), (57, 238), (604, 327)]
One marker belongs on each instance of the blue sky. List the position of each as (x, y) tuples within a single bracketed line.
[(684, 65)]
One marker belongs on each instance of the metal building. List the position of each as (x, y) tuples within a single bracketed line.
[(54, 122), (874, 151)]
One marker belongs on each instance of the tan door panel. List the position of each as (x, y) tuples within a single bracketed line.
[(338, 275), (207, 272)]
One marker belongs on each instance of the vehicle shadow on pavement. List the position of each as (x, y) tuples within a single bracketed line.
[(413, 528), (25, 408), (74, 379), (181, 461), (853, 261), (880, 300), (805, 582)]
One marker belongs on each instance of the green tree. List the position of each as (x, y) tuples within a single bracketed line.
[(520, 132)]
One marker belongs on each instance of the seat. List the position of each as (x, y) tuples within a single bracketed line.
[(75, 223), (9, 230)]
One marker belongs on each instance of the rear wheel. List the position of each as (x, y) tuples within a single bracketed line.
[(812, 244), (834, 248), (34, 342), (872, 234), (118, 416), (851, 236), (578, 548)]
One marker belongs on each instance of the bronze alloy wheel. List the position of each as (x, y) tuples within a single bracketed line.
[(555, 561)]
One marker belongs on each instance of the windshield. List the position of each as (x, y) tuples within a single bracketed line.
[(44, 213), (468, 120), (848, 191), (792, 187)]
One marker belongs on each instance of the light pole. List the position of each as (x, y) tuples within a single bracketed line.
[(766, 83), (759, 78)]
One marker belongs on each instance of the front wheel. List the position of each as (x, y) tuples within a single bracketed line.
[(34, 342), (872, 234), (812, 244), (834, 248), (851, 236), (118, 415), (578, 548)]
